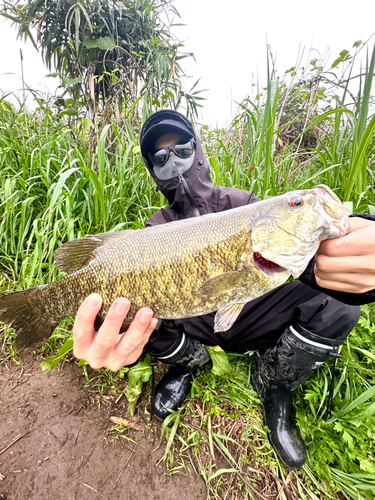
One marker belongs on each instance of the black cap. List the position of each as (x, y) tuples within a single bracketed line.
[(160, 123)]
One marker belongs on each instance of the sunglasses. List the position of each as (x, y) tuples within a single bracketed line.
[(161, 156)]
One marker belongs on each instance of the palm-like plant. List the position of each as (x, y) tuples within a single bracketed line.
[(109, 52)]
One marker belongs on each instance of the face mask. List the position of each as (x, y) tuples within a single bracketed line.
[(174, 167)]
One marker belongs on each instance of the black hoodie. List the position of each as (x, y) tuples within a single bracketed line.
[(193, 193)]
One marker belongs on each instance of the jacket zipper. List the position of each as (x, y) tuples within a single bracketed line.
[(185, 189)]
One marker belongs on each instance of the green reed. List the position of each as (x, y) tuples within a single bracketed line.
[(248, 155), (54, 189), (58, 183)]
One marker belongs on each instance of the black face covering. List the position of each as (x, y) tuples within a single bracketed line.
[(174, 167)]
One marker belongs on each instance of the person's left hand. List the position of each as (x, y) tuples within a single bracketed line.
[(347, 264)]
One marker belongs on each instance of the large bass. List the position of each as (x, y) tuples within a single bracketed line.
[(216, 262)]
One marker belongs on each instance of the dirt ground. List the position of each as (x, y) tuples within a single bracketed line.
[(55, 444)]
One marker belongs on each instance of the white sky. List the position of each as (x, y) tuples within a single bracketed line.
[(229, 40)]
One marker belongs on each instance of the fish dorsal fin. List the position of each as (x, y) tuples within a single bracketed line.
[(76, 254), (226, 316), (223, 283)]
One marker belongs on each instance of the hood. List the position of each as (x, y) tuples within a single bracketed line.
[(190, 192)]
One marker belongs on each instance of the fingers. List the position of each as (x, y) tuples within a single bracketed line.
[(348, 263), (108, 333), (359, 223), (83, 330), (343, 284), (343, 247), (348, 274), (106, 348), (106, 338), (356, 264), (359, 241), (131, 344)]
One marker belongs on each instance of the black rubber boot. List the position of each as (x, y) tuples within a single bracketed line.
[(186, 360), (275, 375)]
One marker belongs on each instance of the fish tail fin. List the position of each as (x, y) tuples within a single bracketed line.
[(25, 311)]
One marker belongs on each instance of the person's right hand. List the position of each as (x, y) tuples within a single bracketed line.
[(105, 348)]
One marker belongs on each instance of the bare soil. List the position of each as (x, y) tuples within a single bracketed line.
[(56, 444)]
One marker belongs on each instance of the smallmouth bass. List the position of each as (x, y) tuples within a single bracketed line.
[(216, 262)]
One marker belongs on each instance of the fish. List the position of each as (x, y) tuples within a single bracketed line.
[(215, 262)]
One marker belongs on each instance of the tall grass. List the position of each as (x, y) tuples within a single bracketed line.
[(222, 429), (58, 183), (252, 153), (54, 189)]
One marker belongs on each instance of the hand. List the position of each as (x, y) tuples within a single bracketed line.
[(106, 348), (347, 264)]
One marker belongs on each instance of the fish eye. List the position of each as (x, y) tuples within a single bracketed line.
[(296, 201)]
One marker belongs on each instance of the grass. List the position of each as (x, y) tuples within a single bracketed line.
[(221, 430), (58, 182), (339, 131)]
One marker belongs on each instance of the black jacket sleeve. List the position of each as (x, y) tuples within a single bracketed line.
[(354, 299)]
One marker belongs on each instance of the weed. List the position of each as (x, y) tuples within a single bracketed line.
[(223, 421), (55, 187), (8, 350)]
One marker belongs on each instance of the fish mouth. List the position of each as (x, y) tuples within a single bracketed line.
[(266, 266)]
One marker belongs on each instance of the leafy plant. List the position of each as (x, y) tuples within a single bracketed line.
[(56, 184), (108, 53), (137, 376)]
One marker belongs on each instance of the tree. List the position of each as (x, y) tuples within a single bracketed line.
[(110, 55)]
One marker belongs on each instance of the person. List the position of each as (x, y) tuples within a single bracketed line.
[(294, 328)]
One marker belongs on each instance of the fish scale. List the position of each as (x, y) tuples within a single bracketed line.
[(185, 268)]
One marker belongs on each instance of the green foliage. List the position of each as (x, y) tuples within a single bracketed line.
[(340, 446), (295, 133), (52, 361), (137, 376), (58, 183), (54, 189), (362, 134), (109, 53), (220, 364), (8, 348)]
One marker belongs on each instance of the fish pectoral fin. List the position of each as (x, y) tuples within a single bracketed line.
[(222, 283), (77, 254), (226, 316)]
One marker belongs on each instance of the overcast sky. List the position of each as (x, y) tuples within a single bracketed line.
[(229, 40)]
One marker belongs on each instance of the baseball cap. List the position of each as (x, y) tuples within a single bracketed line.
[(160, 123)]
